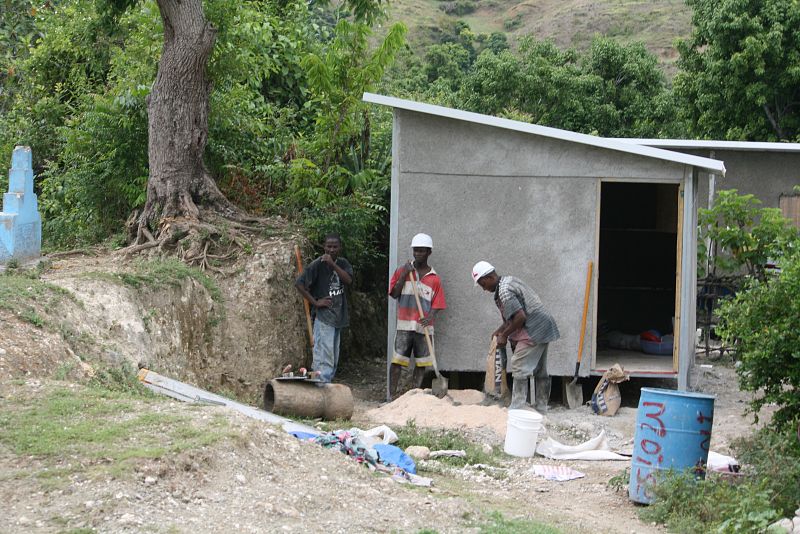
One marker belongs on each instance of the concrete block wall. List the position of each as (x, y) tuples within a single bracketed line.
[(20, 222)]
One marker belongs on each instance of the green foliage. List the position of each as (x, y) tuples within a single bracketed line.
[(23, 294), (744, 235), (775, 458), (497, 524), (84, 425), (119, 379), (338, 77), (160, 273), (767, 492), (764, 322), (609, 91), (692, 506), (411, 434), (740, 70)]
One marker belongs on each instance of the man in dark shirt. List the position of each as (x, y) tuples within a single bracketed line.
[(322, 285)]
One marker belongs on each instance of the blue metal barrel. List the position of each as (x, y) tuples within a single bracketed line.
[(673, 431)]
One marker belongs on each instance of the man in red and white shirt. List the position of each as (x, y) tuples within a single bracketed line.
[(410, 336)]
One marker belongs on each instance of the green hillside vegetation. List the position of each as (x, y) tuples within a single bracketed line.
[(568, 23)]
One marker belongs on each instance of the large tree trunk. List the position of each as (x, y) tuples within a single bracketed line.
[(177, 110)]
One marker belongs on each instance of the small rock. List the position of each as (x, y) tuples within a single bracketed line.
[(150, 480), (89, 504), (796, 524), (127, 519), (784, 524), (2, 352), (241, 479), (487, 449), (419, 452), (23, 520)]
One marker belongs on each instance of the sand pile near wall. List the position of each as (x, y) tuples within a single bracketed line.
[(458, 410)]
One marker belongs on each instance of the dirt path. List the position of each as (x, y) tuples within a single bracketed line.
[(259, 479)]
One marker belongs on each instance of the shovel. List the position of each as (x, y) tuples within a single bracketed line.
[(573, 390), (439, 384)]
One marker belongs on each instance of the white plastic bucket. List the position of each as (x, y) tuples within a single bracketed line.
[(522, 432)]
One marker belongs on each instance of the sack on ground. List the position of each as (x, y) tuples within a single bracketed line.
[(606, 398)]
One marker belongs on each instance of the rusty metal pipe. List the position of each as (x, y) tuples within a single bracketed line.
[(306, 399)]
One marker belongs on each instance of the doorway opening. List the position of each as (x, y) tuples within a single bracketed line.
[(637, 278)]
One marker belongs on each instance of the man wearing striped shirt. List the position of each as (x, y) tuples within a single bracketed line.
[(529, 327), (410, 335)]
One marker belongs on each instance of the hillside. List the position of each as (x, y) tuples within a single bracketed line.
[(570, 23)]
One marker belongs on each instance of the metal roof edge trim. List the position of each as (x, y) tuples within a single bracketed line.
[(713, 144), (716, 166)]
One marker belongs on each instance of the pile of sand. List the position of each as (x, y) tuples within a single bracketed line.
[(458, 410)]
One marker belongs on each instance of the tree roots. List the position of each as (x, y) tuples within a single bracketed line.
[(209, 241)]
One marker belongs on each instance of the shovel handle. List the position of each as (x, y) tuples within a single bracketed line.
[(299, 260), (583, 321), (424, 328)]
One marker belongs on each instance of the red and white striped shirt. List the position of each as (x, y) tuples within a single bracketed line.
[(431, 297)]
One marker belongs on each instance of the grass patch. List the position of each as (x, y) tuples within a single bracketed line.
[(97, 430), (411, 434), (167, 272), (497, 524), (25, 295), (770, 490)]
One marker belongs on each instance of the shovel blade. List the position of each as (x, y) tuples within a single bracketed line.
[(574, 395), (439, 387)]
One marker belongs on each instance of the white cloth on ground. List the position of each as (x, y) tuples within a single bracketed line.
[(595, 449)]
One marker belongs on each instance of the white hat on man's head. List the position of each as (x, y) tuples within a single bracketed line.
[(481, 269), (422, 240)]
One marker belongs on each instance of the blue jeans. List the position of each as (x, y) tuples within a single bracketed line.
[(326, 350)]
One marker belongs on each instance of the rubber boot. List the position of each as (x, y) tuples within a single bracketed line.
[(542, 394), (418, 377), (519, 394), (394, 380)]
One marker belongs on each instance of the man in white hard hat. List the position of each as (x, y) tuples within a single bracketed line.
[(529, 327), (410, 334)]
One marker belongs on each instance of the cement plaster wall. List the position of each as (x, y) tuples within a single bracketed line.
[(766, 175), (526, 203)]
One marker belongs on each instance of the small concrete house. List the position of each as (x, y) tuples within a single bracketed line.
[(541, 203)]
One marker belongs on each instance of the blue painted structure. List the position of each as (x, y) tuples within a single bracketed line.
[(20, 222), (673, 432)]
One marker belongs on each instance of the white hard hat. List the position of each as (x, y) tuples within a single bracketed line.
[(422, 240), (481, 269)]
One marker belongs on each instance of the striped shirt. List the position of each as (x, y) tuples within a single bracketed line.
[(431, 296), (512, 295)]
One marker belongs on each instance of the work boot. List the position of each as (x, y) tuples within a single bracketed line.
[(394, 380), (418, 377), (542, 386), (519, 394)]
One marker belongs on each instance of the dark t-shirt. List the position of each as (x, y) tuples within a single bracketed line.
[(322, 281)]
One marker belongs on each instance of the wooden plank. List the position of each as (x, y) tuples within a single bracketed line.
[(188, 393), (678, 274), (790, 206), (634, 362)]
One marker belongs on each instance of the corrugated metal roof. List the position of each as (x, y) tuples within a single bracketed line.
[(715, 145), (712, 165)]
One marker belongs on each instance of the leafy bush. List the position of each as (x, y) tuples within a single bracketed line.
[(764, 323), (768, 491), (746, 237), (459, 8)]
